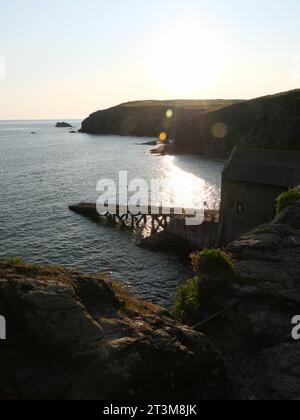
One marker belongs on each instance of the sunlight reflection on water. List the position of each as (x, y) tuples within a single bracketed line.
[(181, 188), (40, 175)]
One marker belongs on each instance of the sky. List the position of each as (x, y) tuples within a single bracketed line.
[(65, 59)]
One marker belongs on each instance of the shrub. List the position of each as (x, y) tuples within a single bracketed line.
[(286, 199), (187, 298), (212, 261)]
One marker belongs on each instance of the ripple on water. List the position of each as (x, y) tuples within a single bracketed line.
[(40, 175)]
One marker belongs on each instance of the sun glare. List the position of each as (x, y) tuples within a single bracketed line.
[(187, 57), (185, 189)]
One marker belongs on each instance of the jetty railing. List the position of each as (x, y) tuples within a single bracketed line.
[(158, 218)]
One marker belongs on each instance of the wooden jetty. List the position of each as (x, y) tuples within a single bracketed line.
[(157, 218)]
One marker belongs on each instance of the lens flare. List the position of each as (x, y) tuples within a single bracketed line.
[(163, 136), (219, 130), (169, 113)]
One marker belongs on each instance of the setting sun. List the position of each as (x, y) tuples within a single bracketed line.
[(187, 57)]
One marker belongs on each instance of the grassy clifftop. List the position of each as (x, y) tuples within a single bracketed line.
[(148, 118), (211, 127)]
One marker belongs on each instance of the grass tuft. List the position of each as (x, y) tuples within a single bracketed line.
[(13, 261), (208, 261), (286, 199), (187, 298), (20, 264), (212, 261)]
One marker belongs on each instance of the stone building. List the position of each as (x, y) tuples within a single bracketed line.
[(251, 182)]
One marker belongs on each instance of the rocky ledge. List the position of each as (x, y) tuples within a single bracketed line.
[(263, 296), (77, 336)]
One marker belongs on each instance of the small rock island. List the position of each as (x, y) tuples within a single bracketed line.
[(63, 125)]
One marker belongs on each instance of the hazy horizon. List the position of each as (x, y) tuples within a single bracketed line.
[(78, 119), (65, 60)]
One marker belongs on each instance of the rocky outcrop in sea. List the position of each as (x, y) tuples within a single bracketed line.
[(63, 125)]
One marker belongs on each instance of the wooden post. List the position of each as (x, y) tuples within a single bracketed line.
[(152, 224)]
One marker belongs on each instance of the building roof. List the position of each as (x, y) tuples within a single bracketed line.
[(267, 167)]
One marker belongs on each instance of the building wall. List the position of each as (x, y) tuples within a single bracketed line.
[(256, 204), (202, 236)]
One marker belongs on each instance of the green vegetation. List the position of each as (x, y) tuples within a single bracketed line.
[(208, 261), (13, 261), (205, 105), (287, 199), (212, 261), (18, 262), (187, 298)]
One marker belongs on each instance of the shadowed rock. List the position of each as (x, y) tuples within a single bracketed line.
[(63, 125), (147, 118), (255, 337), (270, 122), (77, 336)]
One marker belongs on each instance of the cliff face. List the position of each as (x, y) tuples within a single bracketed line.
[(279, 125), (75, 336), (210, 128), (270, 122), (255, 337), (147, 118)]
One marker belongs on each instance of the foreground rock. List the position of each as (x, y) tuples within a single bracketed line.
[(63, 125), (76, 336), (255, 335)]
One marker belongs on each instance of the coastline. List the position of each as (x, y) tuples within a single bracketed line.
[(95, 323)]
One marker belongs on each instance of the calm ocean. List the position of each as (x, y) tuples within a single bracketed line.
[(42, 173)]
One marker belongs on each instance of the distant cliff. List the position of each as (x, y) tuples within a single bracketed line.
[(271, 122), (209, 128), (148, 118)]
